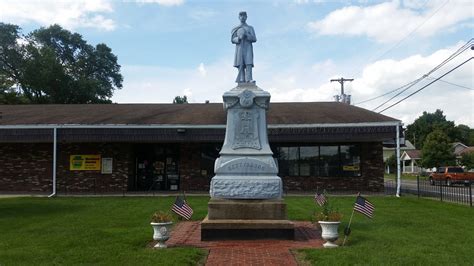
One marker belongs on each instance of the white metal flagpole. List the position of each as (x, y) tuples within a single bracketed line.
[(398, 161)]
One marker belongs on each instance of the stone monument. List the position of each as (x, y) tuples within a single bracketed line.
[(246, 192)]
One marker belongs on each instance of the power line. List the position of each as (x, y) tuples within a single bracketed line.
[(454, 84), (411, 84), (422, 88), (387, 93)]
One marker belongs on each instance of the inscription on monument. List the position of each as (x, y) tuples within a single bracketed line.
[(247, 131), (248, 165)]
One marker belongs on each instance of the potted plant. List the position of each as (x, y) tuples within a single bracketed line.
[(161, 222), (329, 219)]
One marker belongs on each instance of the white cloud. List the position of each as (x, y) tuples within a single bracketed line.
[(69, 14), (389, 21), (202, 13), (202, 70), (162, 2)]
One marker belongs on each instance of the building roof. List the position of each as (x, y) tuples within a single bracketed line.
[(467, 150), (413, 154), (181, 114)]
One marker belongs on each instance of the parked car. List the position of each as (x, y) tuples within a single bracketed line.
[(451, 175)]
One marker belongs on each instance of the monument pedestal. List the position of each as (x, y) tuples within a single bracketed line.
[(246, 190), (246, 219)]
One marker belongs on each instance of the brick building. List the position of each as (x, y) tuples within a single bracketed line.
[(125, 148)]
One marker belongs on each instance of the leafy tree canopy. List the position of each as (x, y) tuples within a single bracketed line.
[(53, 65), (417, 132), (180, 100), (467, 160), (437, 150)]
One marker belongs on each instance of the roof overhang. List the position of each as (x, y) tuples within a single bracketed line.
[(335, 132)]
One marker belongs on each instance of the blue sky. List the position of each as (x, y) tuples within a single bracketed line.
[(179, 47)]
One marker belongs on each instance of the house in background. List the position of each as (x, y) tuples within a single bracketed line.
[(458, 147), (389, 150), (410, 161)]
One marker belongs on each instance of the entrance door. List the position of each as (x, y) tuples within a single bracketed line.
[(156, 167)]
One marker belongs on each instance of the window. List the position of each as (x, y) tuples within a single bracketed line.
[(309, 161), (329, 160), (324, 160), (455, 170), (350, 160)]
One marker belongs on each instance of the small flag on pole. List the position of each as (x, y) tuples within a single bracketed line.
[(181, 208), (320, 199), (364, 206)]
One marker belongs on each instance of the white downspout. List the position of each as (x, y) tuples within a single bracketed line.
[(54, 162), (398, 161)]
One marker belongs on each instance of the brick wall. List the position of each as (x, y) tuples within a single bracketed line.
[(190, 168), (94, 181), (26, 168)]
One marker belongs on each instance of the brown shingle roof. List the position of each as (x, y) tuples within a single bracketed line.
[(192, 114), (414, 154), (467, 150)]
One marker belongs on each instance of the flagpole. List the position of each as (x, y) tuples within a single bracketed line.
[(350, 222), (349, 226)]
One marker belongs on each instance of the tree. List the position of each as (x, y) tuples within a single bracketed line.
[(467, 160), (437, 150), (418, 131), (392, 163), (53, 65), (464, 134), (180, 100)]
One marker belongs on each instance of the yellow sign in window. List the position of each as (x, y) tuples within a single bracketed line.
[(350, 168), (84, 162)]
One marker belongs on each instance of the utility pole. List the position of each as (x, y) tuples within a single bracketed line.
[(343, 97)]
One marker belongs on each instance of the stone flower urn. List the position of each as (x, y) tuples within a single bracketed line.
[(161, 233), (329, 233)]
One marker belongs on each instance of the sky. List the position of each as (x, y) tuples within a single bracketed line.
[(168, 48)]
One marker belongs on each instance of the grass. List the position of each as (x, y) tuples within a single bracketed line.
[(115, 231), (404, 231), (101, 231)]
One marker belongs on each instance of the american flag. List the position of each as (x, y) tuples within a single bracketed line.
[(364, 206), (181, 208), (320, 199)]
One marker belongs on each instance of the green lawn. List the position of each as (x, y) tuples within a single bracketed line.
[(115, 231)]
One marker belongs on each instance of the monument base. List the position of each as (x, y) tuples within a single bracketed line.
[(246, 229), (246, 219), (246, 187)]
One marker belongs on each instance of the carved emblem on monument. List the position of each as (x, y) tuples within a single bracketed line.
[(247, 131), (246, 98)]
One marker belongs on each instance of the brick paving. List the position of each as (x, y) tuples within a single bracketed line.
[(247, 252)]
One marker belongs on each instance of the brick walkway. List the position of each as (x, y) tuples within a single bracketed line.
[(247, 252)]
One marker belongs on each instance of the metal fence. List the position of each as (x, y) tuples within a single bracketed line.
[(456, 193)]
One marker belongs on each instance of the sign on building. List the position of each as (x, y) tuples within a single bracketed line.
[(107, 165), (84, 162)]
